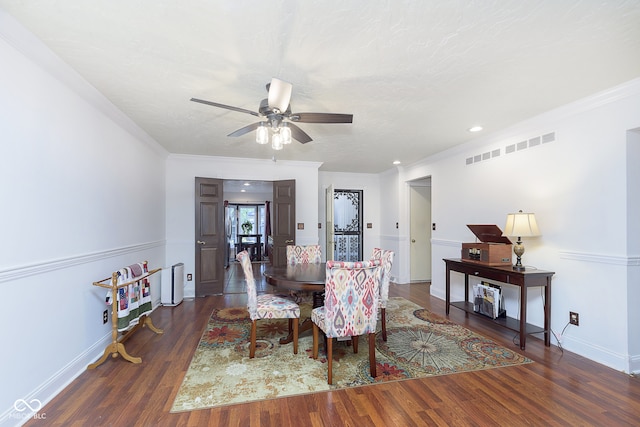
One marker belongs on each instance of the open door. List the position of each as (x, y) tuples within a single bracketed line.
[(283, 232), (210, 245), (420, 231), (330, 249)]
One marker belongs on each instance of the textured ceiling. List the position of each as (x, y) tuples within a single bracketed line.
[(415, 74)]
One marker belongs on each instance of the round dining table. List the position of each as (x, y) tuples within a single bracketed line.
[(299, 277)]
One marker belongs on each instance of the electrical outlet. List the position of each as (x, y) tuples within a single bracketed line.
[(105, 317), (574, 318)]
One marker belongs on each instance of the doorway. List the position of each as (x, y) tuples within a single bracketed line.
[(420, 229), (213, 228), (347, 225)]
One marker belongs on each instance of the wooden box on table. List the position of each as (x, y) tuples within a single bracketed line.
[(493, 249)]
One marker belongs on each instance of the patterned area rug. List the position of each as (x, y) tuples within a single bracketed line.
[(419, 344)]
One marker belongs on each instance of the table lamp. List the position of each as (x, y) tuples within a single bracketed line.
[(520, 225)]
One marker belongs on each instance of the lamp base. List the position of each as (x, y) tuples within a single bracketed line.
[(518, 249)]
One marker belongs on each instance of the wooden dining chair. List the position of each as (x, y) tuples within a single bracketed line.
[(267, 306), (350, 308), (387, 262), (304, 254)]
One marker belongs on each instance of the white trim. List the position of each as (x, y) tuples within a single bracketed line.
[(61, 379), (600, 258), (448, 243), (20, 272)]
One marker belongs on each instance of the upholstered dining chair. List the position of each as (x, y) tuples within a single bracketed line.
[(267, 306), (387, 262), (350, 308), (304, 254)]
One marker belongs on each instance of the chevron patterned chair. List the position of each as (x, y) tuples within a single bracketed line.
[(267, 306), (350, 308), (387, 262)]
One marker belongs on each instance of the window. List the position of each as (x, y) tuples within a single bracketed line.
[(252, 214)]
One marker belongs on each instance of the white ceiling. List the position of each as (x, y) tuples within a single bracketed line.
[(415, 74)]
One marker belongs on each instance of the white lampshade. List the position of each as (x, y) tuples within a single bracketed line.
[(279, 95), (285, 131), (276, 141), (262, 134), (521, 224)]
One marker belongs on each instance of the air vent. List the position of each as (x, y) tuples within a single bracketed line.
[(512, 148)]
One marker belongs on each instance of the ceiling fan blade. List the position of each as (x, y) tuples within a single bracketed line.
[(228, 107), (298, 134), (279, 95), (245, 129), (321, 118)]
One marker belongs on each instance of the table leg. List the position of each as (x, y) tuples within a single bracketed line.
[(523, 316), (447, 290), (547, 313)]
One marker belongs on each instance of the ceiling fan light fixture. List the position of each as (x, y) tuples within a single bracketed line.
[(285, 131), (262, 134), (276, 142)]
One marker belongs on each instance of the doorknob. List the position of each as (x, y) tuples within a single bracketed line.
[(200, 242), (289, 242), (413, 240)]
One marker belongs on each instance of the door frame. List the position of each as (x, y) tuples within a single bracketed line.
[(428, 229)]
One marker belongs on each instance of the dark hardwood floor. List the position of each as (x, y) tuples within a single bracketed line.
[(558, 389)]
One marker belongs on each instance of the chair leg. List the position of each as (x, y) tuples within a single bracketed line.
[(384, 323), (295, 335), (354, 343), (252, 344), (329, 360), (315, 341), (372, 355)]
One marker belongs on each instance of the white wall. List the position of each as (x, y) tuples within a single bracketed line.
[(577, 187), (181, 173), (83, 195)]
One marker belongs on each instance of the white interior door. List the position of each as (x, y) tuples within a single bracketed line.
[(420, 240), (329, 224)]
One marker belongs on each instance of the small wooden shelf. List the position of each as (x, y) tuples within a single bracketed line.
[(505, 322)]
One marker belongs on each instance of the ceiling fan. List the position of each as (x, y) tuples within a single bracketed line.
[(277, 116)]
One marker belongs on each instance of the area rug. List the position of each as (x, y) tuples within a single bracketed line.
[(419, 344)]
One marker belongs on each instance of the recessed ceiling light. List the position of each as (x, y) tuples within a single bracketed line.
[(475, 129), (396, 162), (243, 190), (246, 184)]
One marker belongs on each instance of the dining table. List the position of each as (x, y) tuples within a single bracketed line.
[(301, 277)]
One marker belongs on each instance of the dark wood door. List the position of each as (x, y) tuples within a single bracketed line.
[(284, 219), (210, 237)]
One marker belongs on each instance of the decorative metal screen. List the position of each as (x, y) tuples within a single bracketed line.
[(347, 217)]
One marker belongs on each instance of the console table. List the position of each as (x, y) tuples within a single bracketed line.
[(524, 279)]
